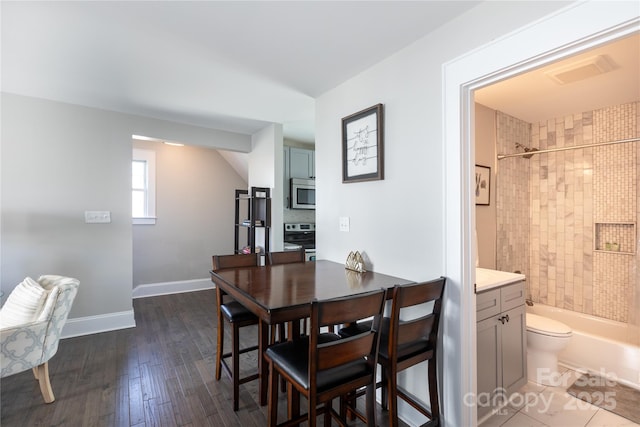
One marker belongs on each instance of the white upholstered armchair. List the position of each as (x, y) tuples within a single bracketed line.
[(31, 322)]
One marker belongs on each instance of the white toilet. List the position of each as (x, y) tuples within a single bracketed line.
[(545, 339)]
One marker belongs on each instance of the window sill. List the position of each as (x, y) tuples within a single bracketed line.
[(150, 220)]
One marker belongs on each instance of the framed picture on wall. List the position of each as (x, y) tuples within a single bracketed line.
[(362, 145), (482, 184)]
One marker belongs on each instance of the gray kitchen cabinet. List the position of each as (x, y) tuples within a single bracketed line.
[(298, 163), (301, 163), (501, 344)]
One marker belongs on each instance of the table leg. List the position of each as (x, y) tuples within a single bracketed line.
[(263, 366)]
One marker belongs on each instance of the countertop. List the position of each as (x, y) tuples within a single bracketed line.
[(488, 279)]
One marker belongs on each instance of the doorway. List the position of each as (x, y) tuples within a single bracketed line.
[(560, 36)]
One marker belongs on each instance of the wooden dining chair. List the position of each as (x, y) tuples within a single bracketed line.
[(323, 366), (405, 343), (284, 257), (237, 316)]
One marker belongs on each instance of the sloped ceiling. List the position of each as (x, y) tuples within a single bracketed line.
[(231, 65)]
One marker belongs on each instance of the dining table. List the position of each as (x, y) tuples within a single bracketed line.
[(283, 293)]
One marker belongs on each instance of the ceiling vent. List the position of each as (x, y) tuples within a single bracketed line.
[(580, 70)]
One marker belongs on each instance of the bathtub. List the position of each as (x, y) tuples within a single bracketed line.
[(598, 345)]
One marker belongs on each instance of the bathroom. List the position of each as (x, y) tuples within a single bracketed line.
[(567, 219)]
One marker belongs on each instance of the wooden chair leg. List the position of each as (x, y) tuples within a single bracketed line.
[(272, 404), (236, 365), (371, 404), (433, 391), (327, 414), (392, 391), (220, 351), (385, 389), (42, 376)]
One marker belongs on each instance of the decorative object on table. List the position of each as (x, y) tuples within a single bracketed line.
[(355, 262), (354, 278), (362, 145), (482, 185)]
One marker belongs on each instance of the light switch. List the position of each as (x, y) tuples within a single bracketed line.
[(344, 223), (97, 217)]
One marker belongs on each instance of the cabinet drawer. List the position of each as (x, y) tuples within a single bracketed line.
[(512, 296), (487, 304)]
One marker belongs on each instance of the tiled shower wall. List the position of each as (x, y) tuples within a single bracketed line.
[(554, 201), (512, 200)]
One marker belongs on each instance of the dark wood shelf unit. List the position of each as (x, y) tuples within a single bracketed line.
[(252, 212)]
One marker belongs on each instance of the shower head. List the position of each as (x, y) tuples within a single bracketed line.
[(529, 150), (526, 150)]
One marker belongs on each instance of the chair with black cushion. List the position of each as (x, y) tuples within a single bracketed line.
[(237, 316), (284, 257), (322, 366), (405, 343)]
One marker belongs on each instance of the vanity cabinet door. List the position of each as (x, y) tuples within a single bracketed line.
[(514, 349), (501, 345), (489, 363)]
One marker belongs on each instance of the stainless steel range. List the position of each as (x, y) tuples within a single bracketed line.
[(301, 235)]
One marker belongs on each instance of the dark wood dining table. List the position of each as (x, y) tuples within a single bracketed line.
[(283, 293)]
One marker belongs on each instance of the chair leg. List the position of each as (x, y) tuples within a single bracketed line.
[(220, 351), (272, 403), (42, 375), (392, 392), (236, 365), (433, 391), (371, 404), (385, 389), (327, 414), (312, 412)]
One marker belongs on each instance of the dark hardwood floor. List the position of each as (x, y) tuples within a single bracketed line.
[(160, 373)]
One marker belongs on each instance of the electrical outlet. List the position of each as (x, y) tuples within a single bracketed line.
[(97, 217), (344, 223)]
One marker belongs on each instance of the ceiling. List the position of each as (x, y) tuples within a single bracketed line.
[(535, 97), (240, 65), (231, 65)]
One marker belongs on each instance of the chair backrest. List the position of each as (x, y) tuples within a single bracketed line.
[(232, 261), (285, 257), (67, 288), (349, 309), (220, 262), (423, 328)]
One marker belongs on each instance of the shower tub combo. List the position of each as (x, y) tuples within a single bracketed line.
[(598, 345)]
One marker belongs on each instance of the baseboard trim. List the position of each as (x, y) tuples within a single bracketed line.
[(89, 325), (167, 288)]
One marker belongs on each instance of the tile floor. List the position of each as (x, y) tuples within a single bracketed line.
[(541, 406)]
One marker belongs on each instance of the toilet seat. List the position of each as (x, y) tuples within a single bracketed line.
[(545, 326)]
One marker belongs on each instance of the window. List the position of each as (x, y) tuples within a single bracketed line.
[(143, 186)]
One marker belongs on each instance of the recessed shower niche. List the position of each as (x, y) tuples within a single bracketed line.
[(615, 237)]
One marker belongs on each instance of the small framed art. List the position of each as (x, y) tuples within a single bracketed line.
[(362, 145), (482, 184)]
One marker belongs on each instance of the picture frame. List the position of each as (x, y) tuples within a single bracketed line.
[(482, 185), (363, 145)]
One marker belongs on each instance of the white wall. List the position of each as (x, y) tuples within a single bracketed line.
[(59, 160), (485, 147), (265, 164), (195, 215), (400, 222)]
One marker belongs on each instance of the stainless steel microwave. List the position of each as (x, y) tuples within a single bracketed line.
[(303, 193)]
